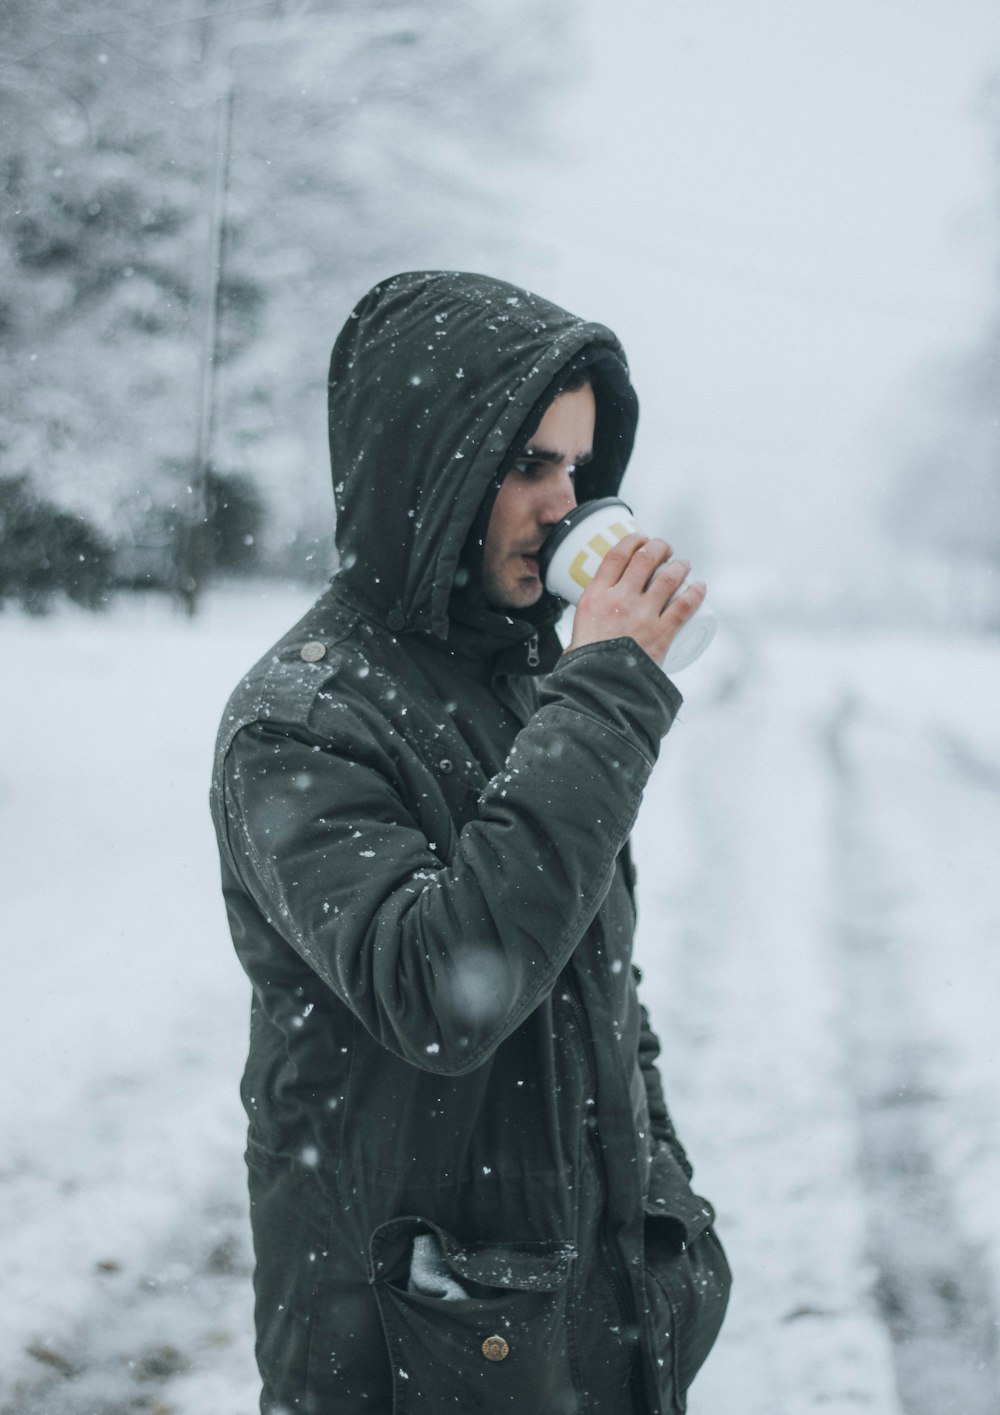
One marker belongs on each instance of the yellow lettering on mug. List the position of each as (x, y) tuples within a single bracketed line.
[(577, 572)]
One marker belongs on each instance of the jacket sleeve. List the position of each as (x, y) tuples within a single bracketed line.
[(440, 960), (660, 1123)]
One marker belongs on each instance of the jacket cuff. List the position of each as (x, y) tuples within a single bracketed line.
[(617, 683)]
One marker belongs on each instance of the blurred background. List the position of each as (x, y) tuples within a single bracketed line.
[(789, 214)]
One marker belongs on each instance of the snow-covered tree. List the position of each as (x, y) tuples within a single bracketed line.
[(362, 139)]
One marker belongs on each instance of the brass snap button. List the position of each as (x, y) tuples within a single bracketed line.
[(495, 1348), (312, 652)]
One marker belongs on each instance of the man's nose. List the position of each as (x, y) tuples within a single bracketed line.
[(561, 498)]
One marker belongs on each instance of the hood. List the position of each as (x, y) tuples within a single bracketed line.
[(435, 380)]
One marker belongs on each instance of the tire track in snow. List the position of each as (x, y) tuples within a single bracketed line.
[(935, 1289), (169, 1337), (741, 977), (980, 771)]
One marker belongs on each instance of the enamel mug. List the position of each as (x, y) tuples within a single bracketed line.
[(579, 543)]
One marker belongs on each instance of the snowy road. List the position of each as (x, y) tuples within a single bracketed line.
[(823, 951), (820, 907)]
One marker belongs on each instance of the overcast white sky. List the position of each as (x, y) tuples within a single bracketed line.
[(787, 209)]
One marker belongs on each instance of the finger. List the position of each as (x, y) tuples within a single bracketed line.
[(645, 561), (668, 580), (616, 561), (680, 609)]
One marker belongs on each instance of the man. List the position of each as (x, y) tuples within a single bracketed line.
[(466, 1191)]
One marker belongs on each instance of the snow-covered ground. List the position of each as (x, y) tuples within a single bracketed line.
[(820, 909)]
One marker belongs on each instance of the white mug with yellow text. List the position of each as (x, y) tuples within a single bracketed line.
[(577, 546)]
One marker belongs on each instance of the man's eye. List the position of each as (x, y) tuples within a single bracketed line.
[(534, 471)]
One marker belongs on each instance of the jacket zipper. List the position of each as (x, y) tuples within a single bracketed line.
[(619, 1283), (534, 658)]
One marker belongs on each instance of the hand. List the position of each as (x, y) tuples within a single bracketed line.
[(627, 597)]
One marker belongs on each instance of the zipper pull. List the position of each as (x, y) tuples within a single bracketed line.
[(534, 659)]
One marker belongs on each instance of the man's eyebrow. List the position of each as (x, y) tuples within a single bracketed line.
[(545, 454)]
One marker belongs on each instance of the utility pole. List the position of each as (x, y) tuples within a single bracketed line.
[(192, 548)]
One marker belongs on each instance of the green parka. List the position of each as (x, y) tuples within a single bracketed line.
[(423, 813)]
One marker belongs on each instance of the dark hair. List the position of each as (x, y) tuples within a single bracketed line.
[(576, 378)]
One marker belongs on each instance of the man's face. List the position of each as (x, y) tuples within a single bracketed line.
[(536, 493)]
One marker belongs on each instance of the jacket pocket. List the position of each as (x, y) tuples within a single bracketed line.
[(687, 1280), (500, 1348)]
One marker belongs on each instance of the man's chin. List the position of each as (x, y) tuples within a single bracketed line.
[(522, 594)]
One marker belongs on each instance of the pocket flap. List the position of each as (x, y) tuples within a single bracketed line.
[(670, 1196), (524, 1267)]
